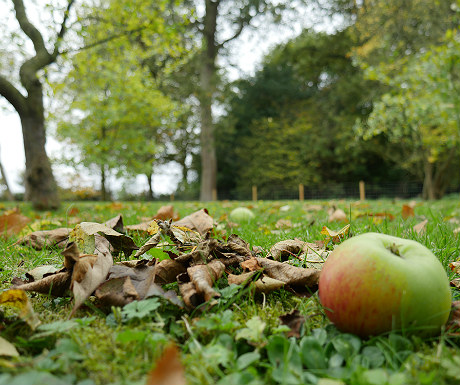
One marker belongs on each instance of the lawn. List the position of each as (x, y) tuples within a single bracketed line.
[(240, 336)]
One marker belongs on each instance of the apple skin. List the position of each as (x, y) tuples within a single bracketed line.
[(366, 288), (241, 214)]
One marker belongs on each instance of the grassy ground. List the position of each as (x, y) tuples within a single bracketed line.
[(240, 340)]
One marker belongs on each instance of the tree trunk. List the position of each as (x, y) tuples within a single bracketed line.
[(428, 186), (40, 185), (150, 183), (104, 194), (8, 194), (207, 89)]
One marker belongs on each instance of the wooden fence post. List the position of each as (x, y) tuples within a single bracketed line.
[(254, 193), (214, 194), (301, 192), (171, 197), (362, 190)]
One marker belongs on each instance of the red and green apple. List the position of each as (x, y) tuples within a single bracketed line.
[(374, 283)]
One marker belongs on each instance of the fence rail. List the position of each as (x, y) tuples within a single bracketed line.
[(356, 190)]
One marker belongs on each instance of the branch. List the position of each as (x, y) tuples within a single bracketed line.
[(29, 29), (63, 29), (241, 25), (103, 41), (12, 95)]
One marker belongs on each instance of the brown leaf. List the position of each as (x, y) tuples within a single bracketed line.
[(453, 324), (251, 265), (337, 215), (335, 236), (294, 320), (11, 223), (420, 228), (90, 271), (455, 267), (57, 285), (168, 369), (300, 280), (283, 250), (204, 277), (407, 211), (40, 272), (263, 284), (117, 292), (283, 224), (199, 221), (166, 212), (116, 223), (46, 238), (141, 228), (455, 283)]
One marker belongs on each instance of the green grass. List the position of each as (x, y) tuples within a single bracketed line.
[(240, 340)]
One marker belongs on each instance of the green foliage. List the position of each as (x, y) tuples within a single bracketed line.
[(420, 116)]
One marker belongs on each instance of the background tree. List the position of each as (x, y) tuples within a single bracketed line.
[(39, 180), (420, 115)]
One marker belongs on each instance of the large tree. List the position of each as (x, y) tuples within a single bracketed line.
[(217, 23), (26, 97)]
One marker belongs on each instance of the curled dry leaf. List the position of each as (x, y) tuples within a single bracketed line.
[(455, 283), (166, 212), (199, 221), (251, 265), (40, 272), (115, 223), (12, 222), (57, 284), (337, 215), (204, 277), (90, 271), (335, 236), (84, 235), (117, 292), (455, 267), (7, 349), (420, 228), (300, 280), (18, 299), (46, 238), (168, 369), (263, 284), (294, 320), (453, 324), (407, 211)]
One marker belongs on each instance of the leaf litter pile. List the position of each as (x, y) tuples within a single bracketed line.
[(194, 258)]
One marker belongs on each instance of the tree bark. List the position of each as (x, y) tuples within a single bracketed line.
[(104, 194), (207, 90), (40, 185), (428, 186), (150, 183), (9, 196)]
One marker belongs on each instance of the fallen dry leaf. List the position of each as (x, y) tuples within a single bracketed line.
[(46, 238), (301, 281), (335, 236), (84, 236), (18, 299), (455, 283), (283, 224), (337, 215), (40, 272), (455, 267), (115, 223), (7, 349), (294, 320), (420, 228), (453, 324), (199, 221), (90, 270), (251, 265), (407, 211), (57, 284), (168, 369), (12, 222), (204, 277), (166, 212), (262, 283)]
